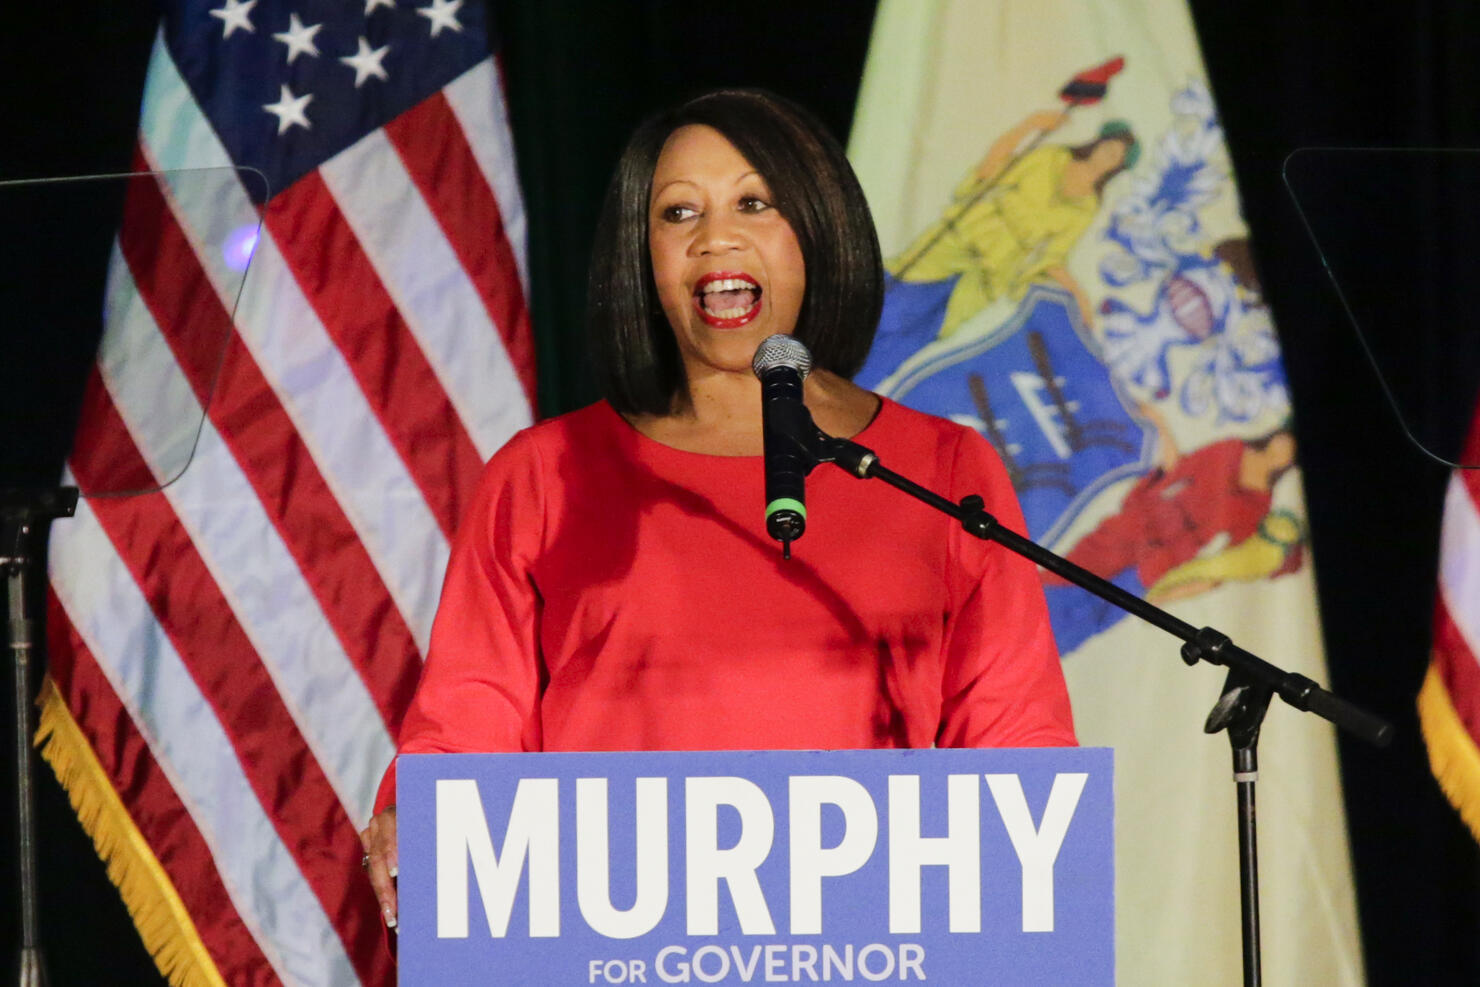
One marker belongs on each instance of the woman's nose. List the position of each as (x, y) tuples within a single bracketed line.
[(716, 233)]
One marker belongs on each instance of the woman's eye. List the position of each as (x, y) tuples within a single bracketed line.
[(677, 214), (753, 203)]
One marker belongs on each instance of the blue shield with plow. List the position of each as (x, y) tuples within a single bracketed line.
[(1035, 389)]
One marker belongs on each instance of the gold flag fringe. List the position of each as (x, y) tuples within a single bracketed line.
[(1452, 752), (160, 916)]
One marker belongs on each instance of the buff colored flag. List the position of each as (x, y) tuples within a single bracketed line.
[(1069, 274)]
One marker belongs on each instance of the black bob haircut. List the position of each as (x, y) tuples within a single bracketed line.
[(812, 185)]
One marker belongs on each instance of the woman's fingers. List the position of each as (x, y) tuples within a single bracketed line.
[(379, 841)]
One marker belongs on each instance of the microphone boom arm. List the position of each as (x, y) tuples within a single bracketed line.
[(1198, 644)]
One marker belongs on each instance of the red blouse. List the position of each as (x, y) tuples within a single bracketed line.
[(608, 592)]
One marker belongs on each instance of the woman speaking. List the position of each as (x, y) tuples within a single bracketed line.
[(612, 586)]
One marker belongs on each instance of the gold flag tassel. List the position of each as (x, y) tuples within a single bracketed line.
[(160, 916), (1452, 752)]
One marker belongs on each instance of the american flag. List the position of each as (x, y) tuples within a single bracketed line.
[(230, 656), (1449, 702)]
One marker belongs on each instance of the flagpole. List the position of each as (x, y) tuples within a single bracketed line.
[(24, 517)]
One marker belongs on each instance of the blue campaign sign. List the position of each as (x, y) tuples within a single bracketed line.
[(938, 866)]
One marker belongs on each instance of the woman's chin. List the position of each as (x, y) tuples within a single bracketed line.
[(725, 351)]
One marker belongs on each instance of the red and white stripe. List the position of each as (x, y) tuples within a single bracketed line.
[(238, 647), (1457, 613)]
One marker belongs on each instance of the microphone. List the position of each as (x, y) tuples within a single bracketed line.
[(782, 363)]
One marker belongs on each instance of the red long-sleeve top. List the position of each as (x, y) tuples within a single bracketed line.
[(608, 592)]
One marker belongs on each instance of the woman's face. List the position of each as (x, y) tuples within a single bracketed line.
[(728, 268), (1108, 155)]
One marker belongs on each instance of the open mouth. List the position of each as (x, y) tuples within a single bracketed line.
[(727, 300)]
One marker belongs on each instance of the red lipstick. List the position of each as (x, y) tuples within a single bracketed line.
[(727, 299)]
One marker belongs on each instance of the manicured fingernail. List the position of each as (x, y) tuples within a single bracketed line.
[(395, 871), (390, 919)]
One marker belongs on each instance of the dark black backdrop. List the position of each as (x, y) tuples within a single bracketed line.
[(1287, 73)]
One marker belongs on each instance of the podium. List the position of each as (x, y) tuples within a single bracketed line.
[(937, 866)]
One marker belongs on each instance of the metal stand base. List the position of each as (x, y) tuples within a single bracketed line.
[(24, 518)]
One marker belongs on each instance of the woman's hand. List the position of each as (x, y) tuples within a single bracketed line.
[(1005, 147), (1167, 454), (1061, 274), (379, 841)]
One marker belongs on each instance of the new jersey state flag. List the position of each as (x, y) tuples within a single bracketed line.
[(1068, 274), (232, 653)]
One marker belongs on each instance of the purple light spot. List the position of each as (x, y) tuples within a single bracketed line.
[(239, 245)]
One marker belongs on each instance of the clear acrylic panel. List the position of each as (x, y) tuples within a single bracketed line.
[(179, 245), (1398, 231)]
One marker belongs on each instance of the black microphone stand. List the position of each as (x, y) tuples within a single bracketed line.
[(25, 516), (1251, 683)]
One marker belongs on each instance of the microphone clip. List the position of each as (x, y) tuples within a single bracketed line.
[(811, 445)]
